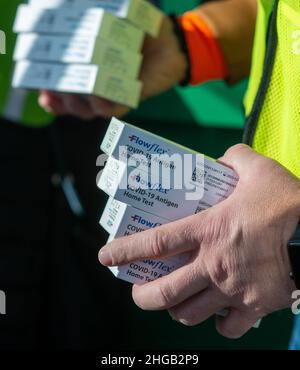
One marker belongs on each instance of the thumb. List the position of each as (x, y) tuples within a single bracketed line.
[(239, 157)]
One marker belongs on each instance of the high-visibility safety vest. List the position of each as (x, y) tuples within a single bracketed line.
[(19, 106), (272, 102)]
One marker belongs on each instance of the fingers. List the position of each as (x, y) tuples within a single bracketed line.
[(61, 104), (235, 324), (198, 308), (107, 109), (52, 103), (172, 289), (100, 107), (85, 107), (79, 106), (164, 241)]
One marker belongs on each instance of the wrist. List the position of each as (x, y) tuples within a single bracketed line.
[(179, 47), (178, 33)]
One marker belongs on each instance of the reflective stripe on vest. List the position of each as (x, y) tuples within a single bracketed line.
[(273, 99)]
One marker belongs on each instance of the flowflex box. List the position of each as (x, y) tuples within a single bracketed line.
[(78, 50), (78, 79), (141, 172), (141, 13), (89, 22), (131, 144), (132, 186), (120, 219)]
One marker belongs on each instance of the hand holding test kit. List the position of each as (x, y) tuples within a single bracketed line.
[(86, 47), (120, 219), (133, 209)]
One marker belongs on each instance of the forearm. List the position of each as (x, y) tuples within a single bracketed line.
[(232, 23)]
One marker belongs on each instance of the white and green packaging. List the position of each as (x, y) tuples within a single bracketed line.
[(141, 13), (90, 22), (77, 79), (134, 154), (78, 50)]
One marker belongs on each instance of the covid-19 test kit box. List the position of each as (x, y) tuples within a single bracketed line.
[(78, 50), (78, 79), (90, 22), (128, 176), (132, 186), (119, 219), (141, 13)]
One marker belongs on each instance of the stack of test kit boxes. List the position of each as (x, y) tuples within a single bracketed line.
[(87, 47), (138, 202)]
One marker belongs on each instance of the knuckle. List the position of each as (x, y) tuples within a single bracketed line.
[(219, 271), (236, 149), (164, 296), (117, 255), (190, 232), (159, 245)]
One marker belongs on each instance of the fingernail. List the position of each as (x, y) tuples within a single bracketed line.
[(181, 321), (171, 316), (105, 256)]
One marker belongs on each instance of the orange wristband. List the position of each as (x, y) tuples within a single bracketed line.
[(206, 57)]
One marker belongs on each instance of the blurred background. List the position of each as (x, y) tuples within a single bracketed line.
[(58, 295)]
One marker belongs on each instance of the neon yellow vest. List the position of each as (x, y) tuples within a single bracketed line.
[(272, 102), (30, 112)]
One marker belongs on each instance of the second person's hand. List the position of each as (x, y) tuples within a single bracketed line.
[(164, 66)]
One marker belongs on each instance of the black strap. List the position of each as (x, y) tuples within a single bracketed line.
[(184, 48)]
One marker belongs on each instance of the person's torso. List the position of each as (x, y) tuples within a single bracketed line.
[(272, 101)]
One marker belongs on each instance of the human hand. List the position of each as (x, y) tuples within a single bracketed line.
[(239, 259), (164, 66)]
